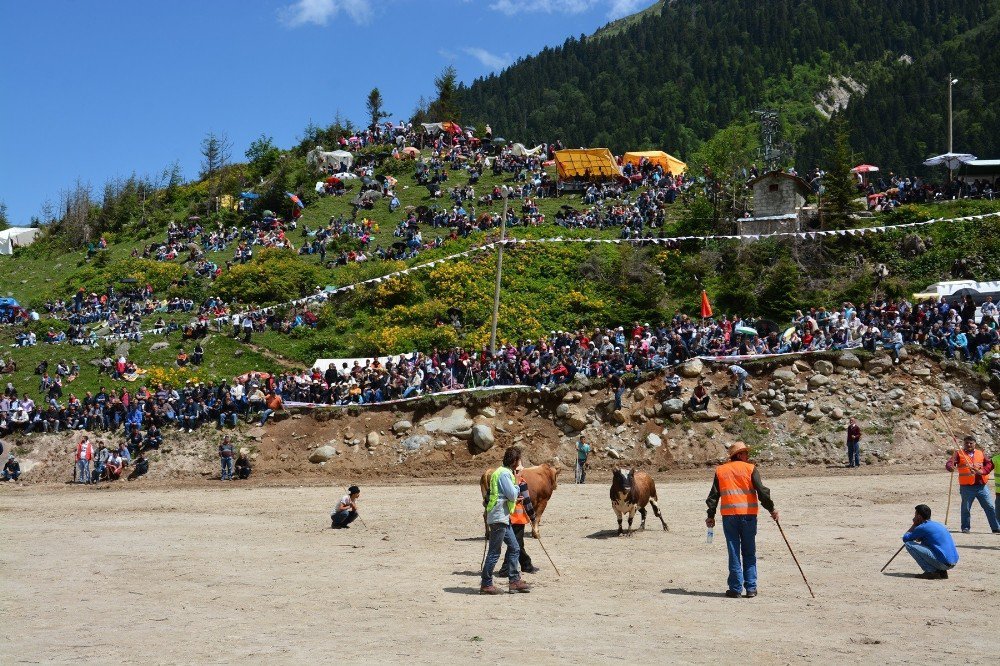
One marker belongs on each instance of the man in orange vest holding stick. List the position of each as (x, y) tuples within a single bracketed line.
[(738, 489), (973, 474), (523, 514)]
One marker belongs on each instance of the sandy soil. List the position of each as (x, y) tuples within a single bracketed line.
[(230, 573)]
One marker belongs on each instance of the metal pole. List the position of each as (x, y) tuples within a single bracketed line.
[(496, 291), (950, 145)]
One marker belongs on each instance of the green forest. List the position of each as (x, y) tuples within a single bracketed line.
[(673, 76)]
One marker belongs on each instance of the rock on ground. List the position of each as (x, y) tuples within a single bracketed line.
[(482, 438), (322, 454)]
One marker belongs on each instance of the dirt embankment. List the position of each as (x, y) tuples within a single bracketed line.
[(794, 413)]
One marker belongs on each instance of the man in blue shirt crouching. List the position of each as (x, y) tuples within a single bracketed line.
[(930, 544)]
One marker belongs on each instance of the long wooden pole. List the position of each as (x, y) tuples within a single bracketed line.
[(548, 556), (892, 558), (951, 482), (796, 559)]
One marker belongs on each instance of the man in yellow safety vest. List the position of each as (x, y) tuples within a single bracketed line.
[(500, 503)]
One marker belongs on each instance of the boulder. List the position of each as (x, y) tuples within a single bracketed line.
[(823, 367), (562, 410), (638, 395), (373, 439), (618, 416), (837, 413), (801, 366), (122, 349), (488, 412), (878, 365), (399, 427), (322, 454), (748, 408), (482, 438), (673, 406), (784, 376), (988, 395), (691, 369), (653, 441), (971, 407), (922, 371), (895, 394), (157, 346), (455, 422), (818, 381), (777, 406), (577, 419), (612, 453), (946, 403), (814, 415), (416, 442), (849, 360), (704, 416)]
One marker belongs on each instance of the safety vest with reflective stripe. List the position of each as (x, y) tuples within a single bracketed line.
[(966, 475), (996, 472), (495, 490), (737, 494), (518, 516)]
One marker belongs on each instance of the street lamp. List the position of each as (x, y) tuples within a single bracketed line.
[(951, 82)]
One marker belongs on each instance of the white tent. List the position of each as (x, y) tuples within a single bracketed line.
[(323, 363), (16, 237)]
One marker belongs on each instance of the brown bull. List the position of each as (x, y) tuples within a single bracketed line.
[(631, 491), (541, 480)]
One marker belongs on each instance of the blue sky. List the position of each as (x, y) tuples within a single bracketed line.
[(95, 90)]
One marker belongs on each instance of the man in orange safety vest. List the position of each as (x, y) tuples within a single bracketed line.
[(973, 482)]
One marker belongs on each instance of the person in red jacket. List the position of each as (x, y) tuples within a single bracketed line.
[(84, 454)]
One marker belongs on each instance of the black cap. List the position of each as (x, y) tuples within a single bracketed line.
[(354, 489), (923, 511)]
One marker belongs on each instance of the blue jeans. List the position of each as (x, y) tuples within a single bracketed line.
[(227, 469), (342, 518), (264, 415), (740, 384), (83, 471), (7, 476), (618, 397), (227, 416), (853, 454), (979, 492), (741, 533), (925, 558), (500, 534)]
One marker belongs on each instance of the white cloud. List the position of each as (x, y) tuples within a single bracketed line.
[(616, 8), (620, 8), (319, 12), (511, 7), (490, 60)]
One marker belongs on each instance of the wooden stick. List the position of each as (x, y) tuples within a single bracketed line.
[(892, 558), (951, 482), (947, 509), (539, 538), (795, 558)]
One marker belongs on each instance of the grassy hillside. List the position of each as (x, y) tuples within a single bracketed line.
[(546, 287)]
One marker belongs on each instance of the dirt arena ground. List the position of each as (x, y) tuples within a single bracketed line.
[(226, 574)]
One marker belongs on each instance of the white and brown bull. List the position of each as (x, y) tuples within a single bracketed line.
[(541, 480), (630, 492)]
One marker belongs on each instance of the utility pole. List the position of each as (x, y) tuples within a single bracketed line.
[(496, 291), (951, 82)]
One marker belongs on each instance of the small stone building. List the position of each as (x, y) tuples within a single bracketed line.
[(778, 200)]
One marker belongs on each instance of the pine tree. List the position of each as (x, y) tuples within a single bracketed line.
[(445, 107), (375, 105), (839, 189)]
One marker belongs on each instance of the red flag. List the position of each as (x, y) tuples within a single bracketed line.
[(706, 307)]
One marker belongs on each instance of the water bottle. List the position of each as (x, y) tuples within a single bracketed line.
[(710, 535)]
